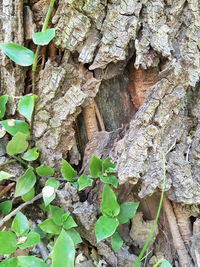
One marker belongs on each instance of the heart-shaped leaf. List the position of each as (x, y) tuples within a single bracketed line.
[(95, 166), (110, 180), (84, 181), (68, 171), (30, 261), (18, 53), (31, 154), (29, 195), (44, 171), (48, 194), (15, 126), (127, 211), (3, 101), (25, 183), (63, 251), (9, 241), (5, 175), (9, 262), (75, 236), (116, 241), (44, 37), (17, 144), (20, 225), (6, 207), (68, 221), (26, 106), (109, 204), (32, 239), (48, 226), (56, 214), (105, 227)]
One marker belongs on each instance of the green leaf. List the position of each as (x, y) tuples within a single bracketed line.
[(31, 154), (5, 175), (95, 166), (84, 181), (29, 195), (75, 236), (56, 214), (68, 171), (127, 211), (116, 241), (48, 226), (6, 207), (48, 194), (3, 101), (26, 106), (108, 166), (45, 37), (30, 261), (110, 180), (32, 239), (18, 53), (20, 225), (52, 182), (15, 126), (165, 263), (17, 144), (44, 171), (63, 254), (105, 227), (68, 221), (25, 183), (9, 241), (109, 204), (13, 262)]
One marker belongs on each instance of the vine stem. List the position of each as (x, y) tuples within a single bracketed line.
[(7, 162), (150, 235)]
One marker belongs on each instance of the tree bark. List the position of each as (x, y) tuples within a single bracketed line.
[(140, 62)]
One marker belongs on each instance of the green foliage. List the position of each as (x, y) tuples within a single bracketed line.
[(18, 53), (127, 211), (30, 261), (95, 166), (68, 171), (31, 154), (44, 171), (162, 263), (112, 180), (44, 37), (68, 221), (105, 227), (13, 262), (48, 226), (5, 175), (17, 145), (116, 241), (6, 207), (26, 106), (29, 195), (84, 181), (32, 239), (48, 194), (9, 241), (15, 126), (20, 225), (74, 236), (63, 251), (3, 101), (25, 183)]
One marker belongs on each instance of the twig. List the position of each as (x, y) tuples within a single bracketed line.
[(7, 162), (14, 212), (6, 189)]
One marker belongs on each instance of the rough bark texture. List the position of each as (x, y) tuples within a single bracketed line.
[(144, 51)]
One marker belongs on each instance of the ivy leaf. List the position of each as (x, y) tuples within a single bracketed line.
[(75, 236), (31, 154), (32, 239), (15, 126), (127, 211), (116, 241), (3, 101), (20, 225), (68, 221), (108, 166), (26, 106), (5, 175), (48, 194), (30, 261), (9, 262), (95, 166), (105, 227), (56, 214), (63, 253), (29, 195), (52, 182), (109, 204), (110, 180), (48, 226), (68, 171), (18, 53), (44, 37), (84, 181), (6, 207), (17, 144), (165, 263), (9, 241), (25, 183), (44, 171)]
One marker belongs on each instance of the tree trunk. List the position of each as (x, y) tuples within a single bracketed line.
[(121, 79)]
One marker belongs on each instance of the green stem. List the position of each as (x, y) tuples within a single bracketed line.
[(150, 235), (7, 162), (20, 161), (157, 263), (45, 25)]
